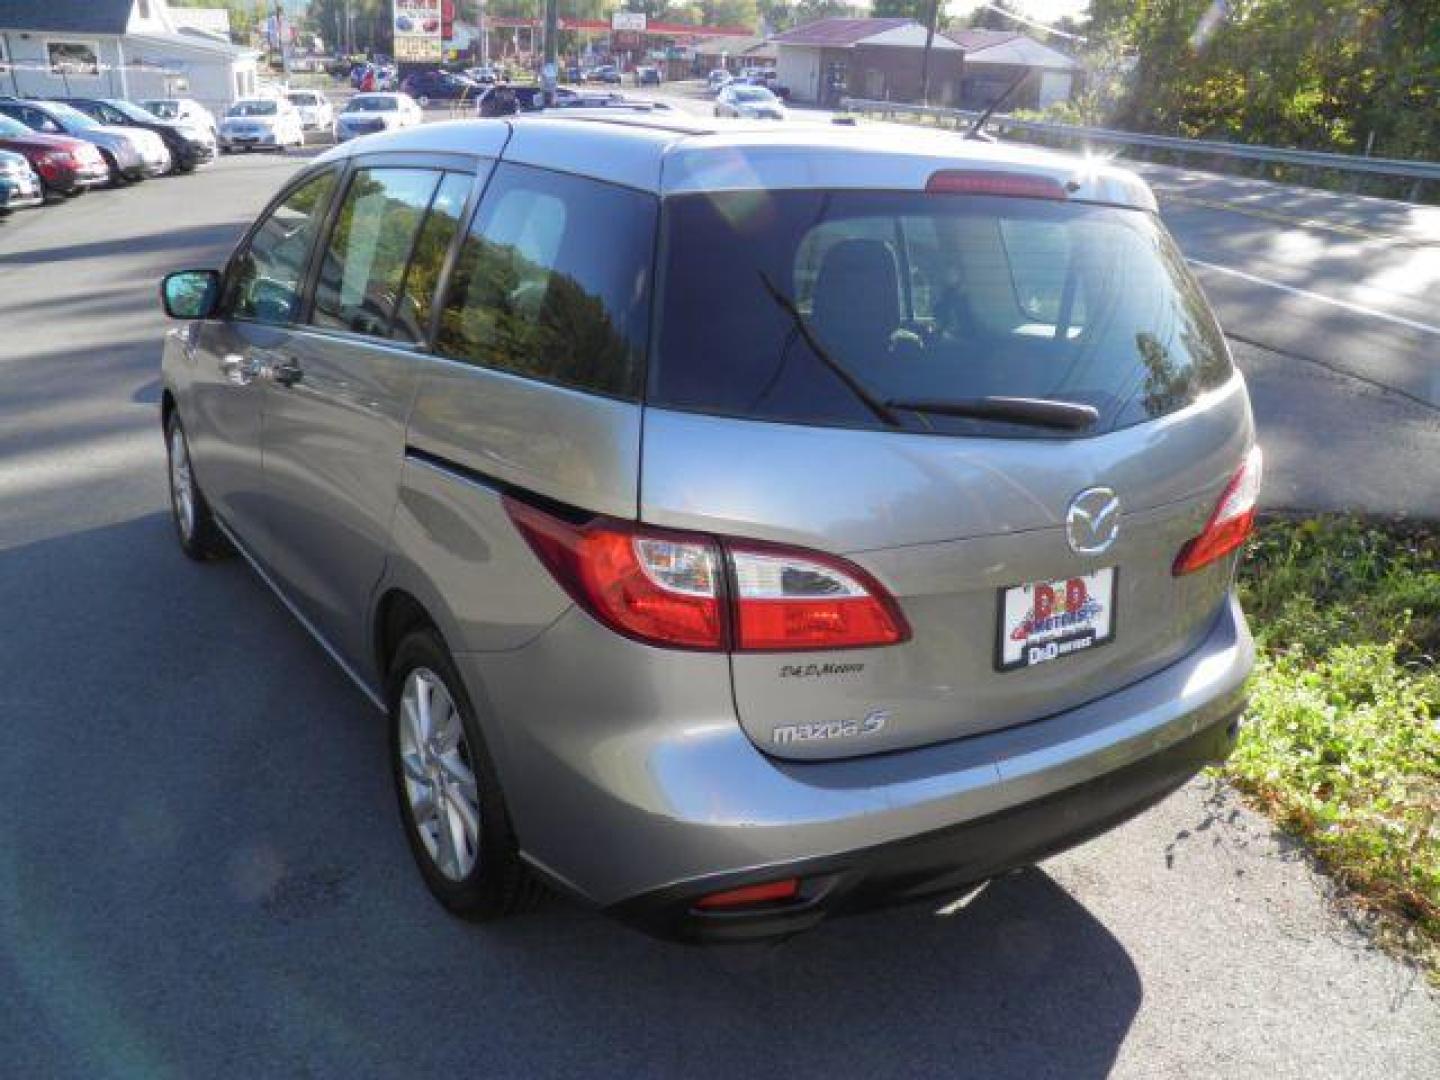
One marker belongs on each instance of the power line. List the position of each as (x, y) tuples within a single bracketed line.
[(1035, 24)]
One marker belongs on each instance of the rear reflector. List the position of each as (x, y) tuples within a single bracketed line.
[(1231, 523), (772, 892), (986, 182), (671, 588)]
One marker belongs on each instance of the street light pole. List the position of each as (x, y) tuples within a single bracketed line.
[(548, 73), (930, 25)]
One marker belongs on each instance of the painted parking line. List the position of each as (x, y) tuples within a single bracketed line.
[(1359, 309)]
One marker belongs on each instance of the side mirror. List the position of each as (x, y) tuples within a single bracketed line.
[(190, 294)]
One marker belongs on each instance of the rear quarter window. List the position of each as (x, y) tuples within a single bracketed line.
[(553, 282)]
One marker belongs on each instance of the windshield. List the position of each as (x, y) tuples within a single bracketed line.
[(253, 108), (752, 93), (73, 117), (303, 99), (925, 298), (166, 110), (372, 104), (134, 112), (13, 129)]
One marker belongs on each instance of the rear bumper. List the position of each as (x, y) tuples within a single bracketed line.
[(943, 861), (663, 798)]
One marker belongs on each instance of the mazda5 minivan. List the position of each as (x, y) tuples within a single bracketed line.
[(736, 524)]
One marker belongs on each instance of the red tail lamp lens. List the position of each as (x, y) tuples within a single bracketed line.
[(1231, 523)]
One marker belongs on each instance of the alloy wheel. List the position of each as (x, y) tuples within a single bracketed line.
[(439, 779)]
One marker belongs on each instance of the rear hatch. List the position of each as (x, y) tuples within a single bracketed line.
[(838, 371)]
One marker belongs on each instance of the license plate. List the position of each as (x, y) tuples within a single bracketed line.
[(1049, 620)]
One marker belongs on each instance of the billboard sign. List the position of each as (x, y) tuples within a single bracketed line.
[(417, 32), (628, 22)]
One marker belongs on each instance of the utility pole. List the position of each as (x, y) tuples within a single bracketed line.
[(930, 25), (484, 35), (549, 74)]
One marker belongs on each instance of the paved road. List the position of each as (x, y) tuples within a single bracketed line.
[(202, 873)]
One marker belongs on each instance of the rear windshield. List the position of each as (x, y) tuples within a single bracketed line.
[(253, 108), (166, 110), (925, 297)]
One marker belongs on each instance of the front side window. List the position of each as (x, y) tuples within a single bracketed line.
[(553, 281), (925, 298), (265, 280), (369, 250)]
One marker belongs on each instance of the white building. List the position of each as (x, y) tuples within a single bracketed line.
[(116, 48)]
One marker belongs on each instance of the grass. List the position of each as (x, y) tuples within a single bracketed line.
[(1342, 741)]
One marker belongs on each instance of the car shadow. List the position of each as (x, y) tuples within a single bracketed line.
[(202, 868)]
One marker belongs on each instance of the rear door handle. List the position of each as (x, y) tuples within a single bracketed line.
[(239, 370), (284, 370)]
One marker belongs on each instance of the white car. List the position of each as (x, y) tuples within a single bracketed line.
[(261, 124), (365, 114), (749, 102), (316, 112), (186, 110), (719, 79)]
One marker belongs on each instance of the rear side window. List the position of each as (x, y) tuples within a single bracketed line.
[(553, 281), (925, 297), (370, 247), (442, 224), (264, 281)]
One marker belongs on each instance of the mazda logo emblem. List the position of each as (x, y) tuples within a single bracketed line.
[(1093, 521)]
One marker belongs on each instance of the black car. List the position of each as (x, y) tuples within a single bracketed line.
[(504, 100), (189, 146), (426, 86)]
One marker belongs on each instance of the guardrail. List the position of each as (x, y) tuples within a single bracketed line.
[(1418, 172)]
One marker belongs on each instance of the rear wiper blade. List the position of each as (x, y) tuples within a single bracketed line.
[(870, 401), (1038, 412)]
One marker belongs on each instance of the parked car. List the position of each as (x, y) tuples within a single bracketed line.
[(185, 109), (316, 112), (532, 99), (647, 76), (903, 560), (750, 102), (131, 154), (484, 74), (261, 124), (425, 86), (365, 114), (66, 166), (20, 187), (190, 146), (718, 79), (605, 73)]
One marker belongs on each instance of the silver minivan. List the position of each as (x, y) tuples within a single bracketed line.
[(737, 524)]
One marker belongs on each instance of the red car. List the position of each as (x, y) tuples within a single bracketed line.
[(66, 166)]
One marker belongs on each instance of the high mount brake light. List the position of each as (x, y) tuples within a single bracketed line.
[(692, 591), (987, 182), (1232, 521)]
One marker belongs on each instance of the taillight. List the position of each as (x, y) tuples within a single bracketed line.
[(693, 591), (659, 587), (1231, 523), (790, 601), (991, 182)]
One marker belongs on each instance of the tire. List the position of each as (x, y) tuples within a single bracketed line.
[(477, 874), (117, 177), (200, 538)]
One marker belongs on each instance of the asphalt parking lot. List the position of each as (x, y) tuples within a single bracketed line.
[(201, 869)]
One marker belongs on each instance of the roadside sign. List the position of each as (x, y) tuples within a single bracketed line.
[(629, 21)]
